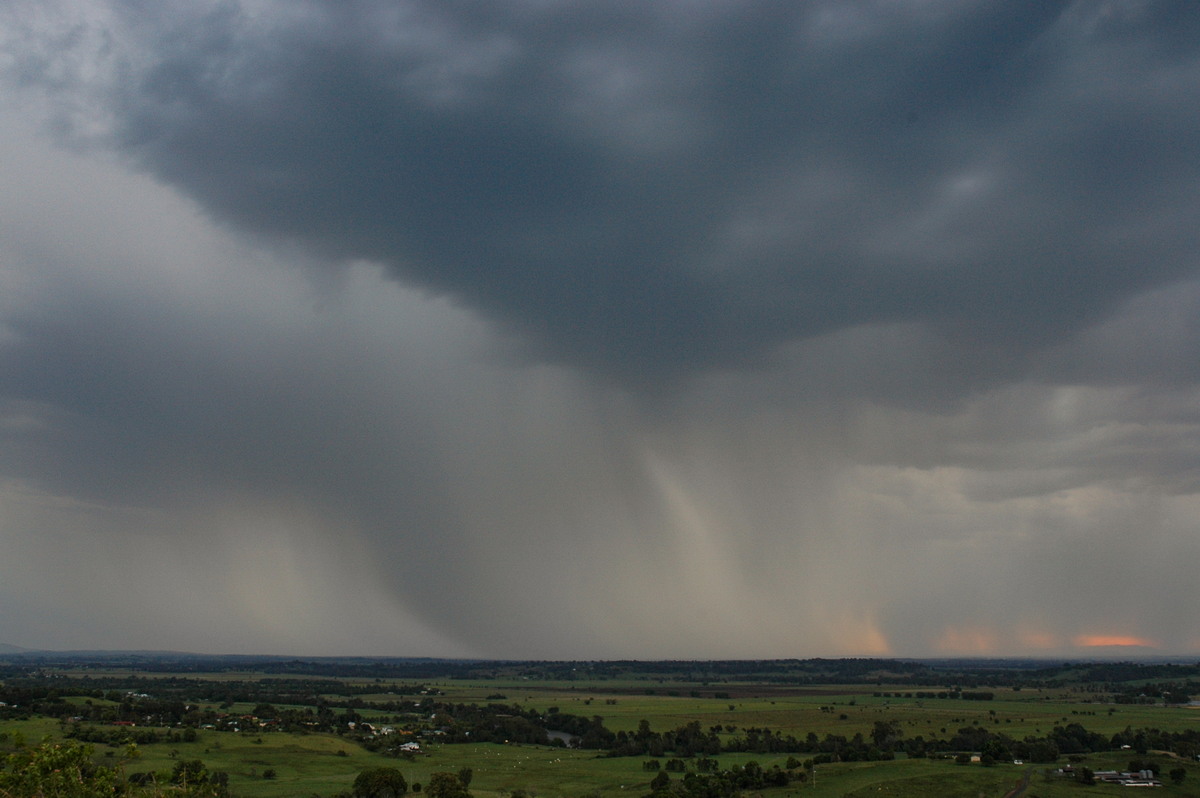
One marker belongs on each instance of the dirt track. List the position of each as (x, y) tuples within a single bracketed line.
[(1022, 785)]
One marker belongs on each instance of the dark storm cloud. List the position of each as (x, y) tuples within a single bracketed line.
[(664, 188), (338, 321)]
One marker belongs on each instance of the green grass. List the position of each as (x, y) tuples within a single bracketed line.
[(304, 764), (32, 731), (894, 780)]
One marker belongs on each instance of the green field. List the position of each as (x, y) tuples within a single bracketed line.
[(798, 711)]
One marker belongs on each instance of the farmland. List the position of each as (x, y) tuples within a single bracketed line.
[(816, 728)]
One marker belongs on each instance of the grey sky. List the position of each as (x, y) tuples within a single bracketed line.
[(537, 329)]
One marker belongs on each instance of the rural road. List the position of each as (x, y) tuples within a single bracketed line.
[(1019, 790)]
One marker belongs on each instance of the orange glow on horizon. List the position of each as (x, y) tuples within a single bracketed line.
[(1089, 641), (859, 635), (872, 642)]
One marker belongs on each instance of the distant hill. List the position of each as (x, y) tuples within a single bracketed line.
[(5, 648)]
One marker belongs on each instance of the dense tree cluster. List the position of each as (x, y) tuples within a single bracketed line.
[(299, 682)]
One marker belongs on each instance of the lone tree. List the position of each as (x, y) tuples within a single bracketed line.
[(660, 785), (379, 783), (189, 772), (446, 785)]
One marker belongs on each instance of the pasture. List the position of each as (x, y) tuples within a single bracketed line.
[(799, 711)]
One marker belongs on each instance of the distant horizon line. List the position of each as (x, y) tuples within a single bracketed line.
[(1101, 653)]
